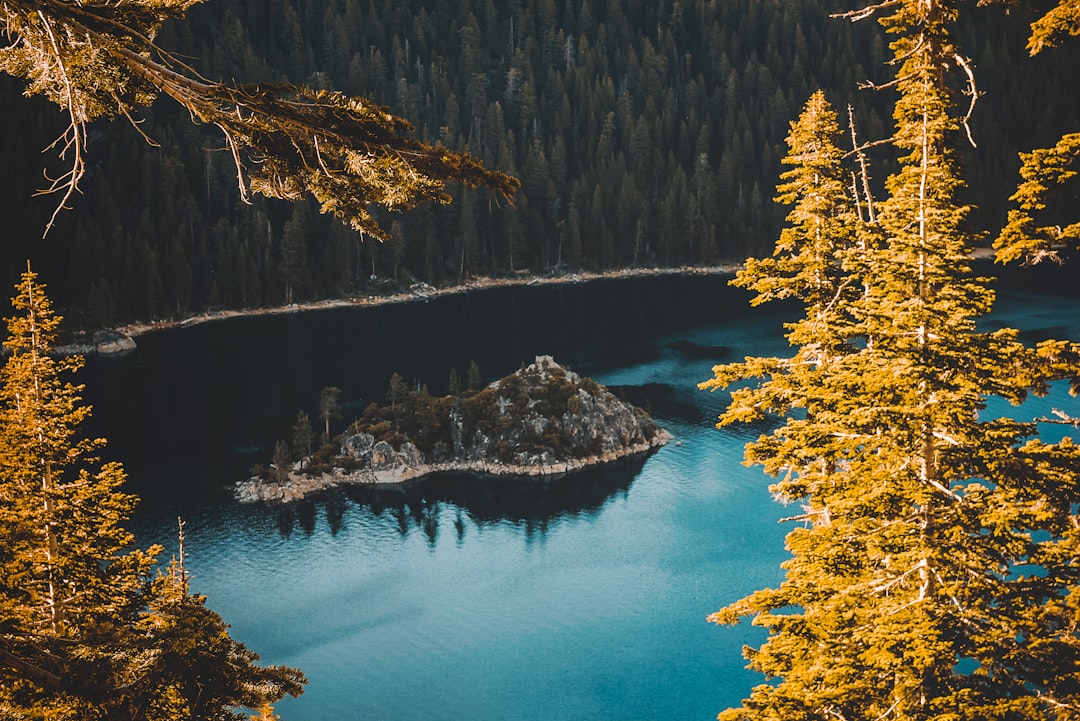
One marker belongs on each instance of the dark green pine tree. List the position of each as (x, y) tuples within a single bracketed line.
[(909, 592), (329, 408), (302, 437), (294, 262)]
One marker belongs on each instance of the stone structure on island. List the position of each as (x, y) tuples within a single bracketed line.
[(542, 420)]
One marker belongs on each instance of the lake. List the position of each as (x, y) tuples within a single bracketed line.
[(583, 598)]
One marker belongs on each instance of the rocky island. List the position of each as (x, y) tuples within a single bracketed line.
[(543, 420)]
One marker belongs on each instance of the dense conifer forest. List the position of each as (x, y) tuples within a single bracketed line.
[(932, 570), (644, 133)]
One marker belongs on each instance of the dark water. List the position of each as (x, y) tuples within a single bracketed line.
[(454, 599)]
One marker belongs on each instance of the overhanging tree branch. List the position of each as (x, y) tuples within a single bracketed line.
[(287, 141)]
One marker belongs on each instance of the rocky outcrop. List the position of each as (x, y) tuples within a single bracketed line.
[(543, 420), (102, 343)]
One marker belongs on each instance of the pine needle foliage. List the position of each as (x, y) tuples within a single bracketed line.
[(1045, 220), (87, 631), (928, 578), (99, 59)]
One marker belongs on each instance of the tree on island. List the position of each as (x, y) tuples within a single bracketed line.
[(282, 461), (473, 379), (397, 390), (88, 631), (329, 408), (100, 59), (302, 437), (932, 576)]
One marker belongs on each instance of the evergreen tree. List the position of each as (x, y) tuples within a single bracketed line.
[(329, 408), (294, 253), (282, 461), (286, 141), (908, 594), (398, 390), (198, 671), (817, 251), (302, 437), (473, 379), (1035, 230), (69, 576), (1047, 174), (78, 639)]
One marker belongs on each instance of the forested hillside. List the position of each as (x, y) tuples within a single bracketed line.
[(644, 133)]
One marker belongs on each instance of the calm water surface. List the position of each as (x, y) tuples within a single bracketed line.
[(456, 599)]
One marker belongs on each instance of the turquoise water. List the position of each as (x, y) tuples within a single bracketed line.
[(456, 599)]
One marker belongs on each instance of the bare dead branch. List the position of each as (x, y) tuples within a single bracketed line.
[(857, 15), (867, 85), (135, 124), (68, 183), (1060, 418), (864, 171), (972, 91), (900, 59), (240, 176)]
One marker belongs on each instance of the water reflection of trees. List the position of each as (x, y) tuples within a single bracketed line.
[(534, 504)]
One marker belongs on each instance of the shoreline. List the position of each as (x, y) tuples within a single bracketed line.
[(297, 486), (122, 338), (417, 292)]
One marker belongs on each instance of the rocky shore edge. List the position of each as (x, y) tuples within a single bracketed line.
[(101, 343), (422, 292), (298, 486)]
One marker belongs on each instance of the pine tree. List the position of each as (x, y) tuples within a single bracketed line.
[(1045, 220), (815, 254), (282, 461), (76, 598), (473, 377), (920, 518), (198, 671), (302, 437), (286, 141), (1035, 230), (329, 408), (71, 579), (294, 252)]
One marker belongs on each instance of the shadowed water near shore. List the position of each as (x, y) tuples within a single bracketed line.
[(533, 504)]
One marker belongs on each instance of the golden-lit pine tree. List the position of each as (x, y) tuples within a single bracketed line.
[(810, 256), (188, 667), (100, 59), (1045, 220), (71, 577), (909, 593), (86, 632), (813, 262)]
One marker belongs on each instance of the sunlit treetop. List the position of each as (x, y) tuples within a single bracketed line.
[(1055, 26), (99, 58), (1045, 218)]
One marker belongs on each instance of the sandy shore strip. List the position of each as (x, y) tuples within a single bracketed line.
[(421, 292)]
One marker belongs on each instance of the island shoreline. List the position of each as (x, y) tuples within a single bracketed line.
[(298, 487)]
